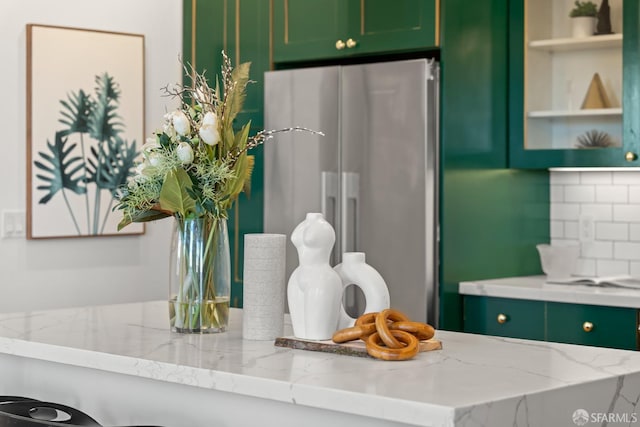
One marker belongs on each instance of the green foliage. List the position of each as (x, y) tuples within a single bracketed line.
[(75, 112), (583, 8), (107, 163), (103, 119), (59, 169), (111, 164), (197, 164), (174, 196)]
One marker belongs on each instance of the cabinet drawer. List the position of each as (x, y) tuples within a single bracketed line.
[(592, 325), (504, 317)]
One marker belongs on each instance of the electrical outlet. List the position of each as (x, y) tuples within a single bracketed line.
[(13, 224), (586, 228)]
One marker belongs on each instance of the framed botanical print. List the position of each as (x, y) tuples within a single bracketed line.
[(85, 125)]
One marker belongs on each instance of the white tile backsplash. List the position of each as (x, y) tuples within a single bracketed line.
[(626, 213), (579, 193), (601, 178), (612, 194), (634, 194), (612, 231), (613, 199)]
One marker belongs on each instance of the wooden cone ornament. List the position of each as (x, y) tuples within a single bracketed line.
[(596, 96)]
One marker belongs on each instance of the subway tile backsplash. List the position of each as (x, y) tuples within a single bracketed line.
[(612, 201)]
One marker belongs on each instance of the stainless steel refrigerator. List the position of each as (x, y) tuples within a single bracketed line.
[(373, 175)]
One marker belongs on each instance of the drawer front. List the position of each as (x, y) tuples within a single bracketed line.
[(602, 326), (504, 317)]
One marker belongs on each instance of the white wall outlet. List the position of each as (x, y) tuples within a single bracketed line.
[(586, 228), (13, 224)]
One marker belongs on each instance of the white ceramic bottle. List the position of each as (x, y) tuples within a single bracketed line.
[(355, 271), (314, 289)]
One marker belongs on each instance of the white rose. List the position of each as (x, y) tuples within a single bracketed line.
[(154, 159), (140, 173), (185, 153), (140, 168), (180, 123), (150, 144), (209, 129)]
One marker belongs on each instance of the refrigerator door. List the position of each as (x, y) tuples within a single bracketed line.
[(301, 169), (388, 133), (373, 175)]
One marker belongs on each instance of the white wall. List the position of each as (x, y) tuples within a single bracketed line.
[(55, 273), (612, 199)]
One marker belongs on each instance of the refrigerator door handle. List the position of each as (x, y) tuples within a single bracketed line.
[(350, 208), (329, 201)]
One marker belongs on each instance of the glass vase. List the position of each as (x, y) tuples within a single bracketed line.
[(200, 276)]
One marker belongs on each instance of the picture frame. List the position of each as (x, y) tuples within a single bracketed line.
[(85, 127)]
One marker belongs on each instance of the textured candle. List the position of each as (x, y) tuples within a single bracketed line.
[(263, 286)]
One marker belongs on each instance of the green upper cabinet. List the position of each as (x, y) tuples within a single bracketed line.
[(309, 30), (574, 100)]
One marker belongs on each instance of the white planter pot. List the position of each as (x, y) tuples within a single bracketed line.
[(583, 26)]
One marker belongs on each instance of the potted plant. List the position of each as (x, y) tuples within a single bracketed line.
[(583, 18)]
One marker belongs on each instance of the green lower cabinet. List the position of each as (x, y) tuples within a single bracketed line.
[(595, 325), (601, 326), (504, 317)]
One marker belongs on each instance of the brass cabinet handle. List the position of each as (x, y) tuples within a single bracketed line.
[(340, 45), (587, 326), (630, 156), (351, 43), (502, 318)]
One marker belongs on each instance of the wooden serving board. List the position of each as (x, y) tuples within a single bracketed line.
[(352, 348)]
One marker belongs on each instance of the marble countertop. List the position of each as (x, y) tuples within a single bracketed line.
[(535, 288), (471, 378)]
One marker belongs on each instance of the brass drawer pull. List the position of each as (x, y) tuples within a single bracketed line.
[(502, 318), (587, 326), (630, 156), (351, 43), (340, 45)]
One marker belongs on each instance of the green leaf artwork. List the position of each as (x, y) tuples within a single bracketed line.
[(88, 152)]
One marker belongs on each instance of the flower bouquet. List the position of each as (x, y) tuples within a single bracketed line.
[(194, 169)]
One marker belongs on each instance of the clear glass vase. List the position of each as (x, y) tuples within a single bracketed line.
[(200, 276)]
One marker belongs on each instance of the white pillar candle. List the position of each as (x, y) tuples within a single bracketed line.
[(263, 286)]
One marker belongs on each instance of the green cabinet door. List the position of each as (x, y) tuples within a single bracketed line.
[(504, 317), (309, 30), (241, 28), (521, 157), (602, 326), (384, 26)]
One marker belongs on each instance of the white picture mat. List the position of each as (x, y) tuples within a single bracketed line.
[(65, 60)]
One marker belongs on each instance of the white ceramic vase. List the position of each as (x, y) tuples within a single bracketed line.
[(314, 290), (583, 26), (355, 271), (263, 286)]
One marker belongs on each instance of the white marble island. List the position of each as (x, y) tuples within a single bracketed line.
[(121, 365)]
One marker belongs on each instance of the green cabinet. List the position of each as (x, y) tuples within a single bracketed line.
[(551, 72), (603, 326), (241, 29), (592, 325), (504, 317), (310, 30)]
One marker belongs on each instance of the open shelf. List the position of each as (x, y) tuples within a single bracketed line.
[(567, 44), (595, 112)]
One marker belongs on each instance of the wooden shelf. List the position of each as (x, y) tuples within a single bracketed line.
[(545, 114), (568, 44)]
